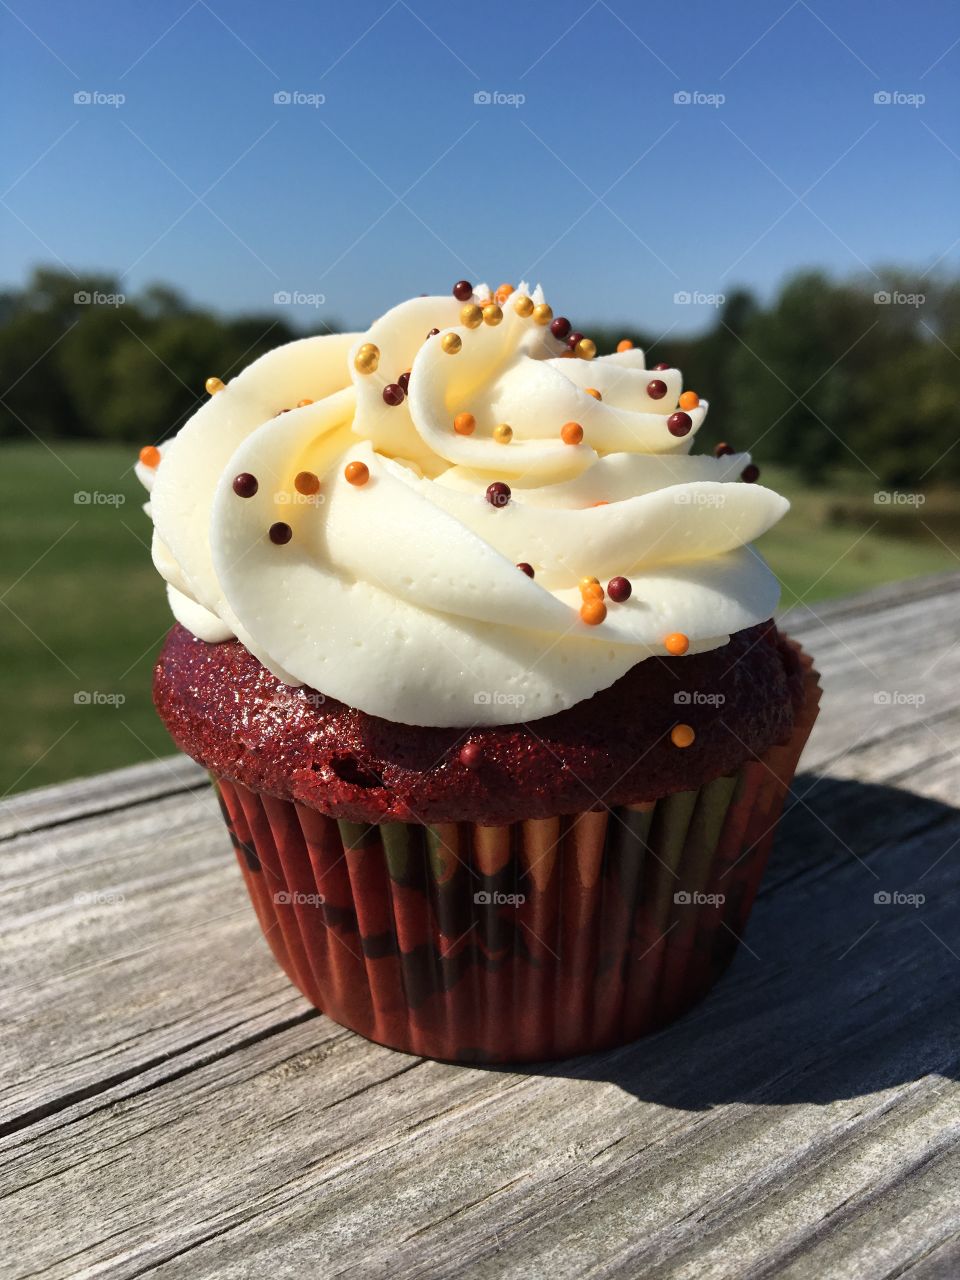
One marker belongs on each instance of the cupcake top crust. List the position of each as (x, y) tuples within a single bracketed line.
[(461, 518)]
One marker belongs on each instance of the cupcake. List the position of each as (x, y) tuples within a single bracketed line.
[(483, 667)]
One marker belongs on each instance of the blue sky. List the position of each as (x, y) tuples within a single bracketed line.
[(599, 183)]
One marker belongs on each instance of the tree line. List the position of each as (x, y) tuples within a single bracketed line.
[(827, 375)]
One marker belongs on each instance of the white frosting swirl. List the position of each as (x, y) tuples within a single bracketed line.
[(401, 596)]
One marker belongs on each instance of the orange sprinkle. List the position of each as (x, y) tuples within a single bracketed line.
[(676, 643), (602, 503), (356, 472), (302, 403), (592, 391), (593, 591), (306, 483), (150, 455), (689, 400), (587, 582), (593, 612), (624, 345), (464, 424), (681, 735), (571, 433), (503, 293)]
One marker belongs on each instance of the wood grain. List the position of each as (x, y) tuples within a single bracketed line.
[(169, 1105)]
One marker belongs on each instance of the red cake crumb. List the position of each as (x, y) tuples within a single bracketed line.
[(223, 708)]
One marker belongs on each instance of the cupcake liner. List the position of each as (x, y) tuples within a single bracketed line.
[(541, 939)]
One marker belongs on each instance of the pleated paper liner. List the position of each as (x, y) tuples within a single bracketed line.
[(541, 939)]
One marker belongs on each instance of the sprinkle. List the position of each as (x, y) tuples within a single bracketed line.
[(464, 424), (463, 291), (656, 389), (492, 313), (471, 755), (560, 327), (451, 343), (366, 359), (523, 305), (150, 455), (593, 612), (503, 293), (676, 643), (369, 346), (571, 433), (722, 449), (432, 334), (302, 404), (586, 348), (502, 433), (689, 400), (588, 582), (604, 502), (592, 391), (403, 382), (593, 591), (245, 485), (619, 589), (356, 473), (213, 385), (573, 338), (471, 316), (280, 533), (681, 735), (542, 313), (624, 345), (393, 394), (307, 483), (498, 494), (661, 365), (750, 473), (679, 423), (525, 568)]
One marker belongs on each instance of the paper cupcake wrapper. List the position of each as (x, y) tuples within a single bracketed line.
[(541, 939)]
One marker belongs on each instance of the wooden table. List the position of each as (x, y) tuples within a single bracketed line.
[(171, 1105)]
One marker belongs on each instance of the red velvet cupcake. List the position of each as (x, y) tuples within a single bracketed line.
[(482, 665)]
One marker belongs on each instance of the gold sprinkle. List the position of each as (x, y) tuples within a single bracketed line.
[(471, 316), (542, 313), (492, 313), (366, 361), (213, 385), (586, 349), (451, 343), (523, 305), (502, 433)]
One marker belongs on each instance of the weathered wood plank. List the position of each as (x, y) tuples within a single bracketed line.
[(173, 1107)]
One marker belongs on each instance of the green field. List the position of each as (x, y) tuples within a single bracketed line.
[(84, 611)]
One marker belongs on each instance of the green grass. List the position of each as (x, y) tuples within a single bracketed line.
[(84, 610)]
